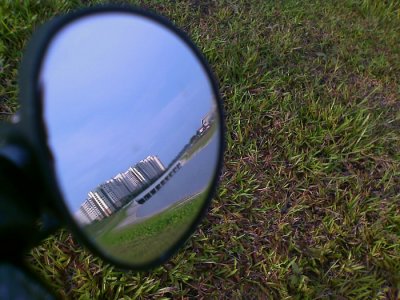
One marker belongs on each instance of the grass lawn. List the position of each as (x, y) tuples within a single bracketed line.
[(142, 242), (201, 142), (107, 224), (309, 201)]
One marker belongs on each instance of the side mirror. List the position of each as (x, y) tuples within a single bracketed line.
[(122, 118)]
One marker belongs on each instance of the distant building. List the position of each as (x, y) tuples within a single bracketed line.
[(112, 194), (157, 163), (132, 181), (206, 122), (93, 209), (208, 119), (151, 167), (104, 204), (115, 190), (136, 172)]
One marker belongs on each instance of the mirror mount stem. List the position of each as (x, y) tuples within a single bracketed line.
[(19, 214)]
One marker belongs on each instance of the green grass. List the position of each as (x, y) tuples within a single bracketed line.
[(309, 201), (201, 142), (142, 242), (107, 224)]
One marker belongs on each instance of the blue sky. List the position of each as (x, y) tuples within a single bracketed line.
[(118, 88)]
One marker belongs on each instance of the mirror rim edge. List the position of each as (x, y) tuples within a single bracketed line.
[(34, 128)]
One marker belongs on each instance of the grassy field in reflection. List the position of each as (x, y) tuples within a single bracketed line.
[(136, 234), (201, 142), (146, 239)]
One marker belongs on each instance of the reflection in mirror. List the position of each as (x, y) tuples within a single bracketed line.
[(133, 125)]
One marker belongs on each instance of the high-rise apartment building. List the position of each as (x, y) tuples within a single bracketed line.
[(112, 194), (132, 181), (151, 167), (93, 210), (102, 202), (115, 190)]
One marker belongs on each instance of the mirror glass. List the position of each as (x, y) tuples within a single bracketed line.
[(134, 128)]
